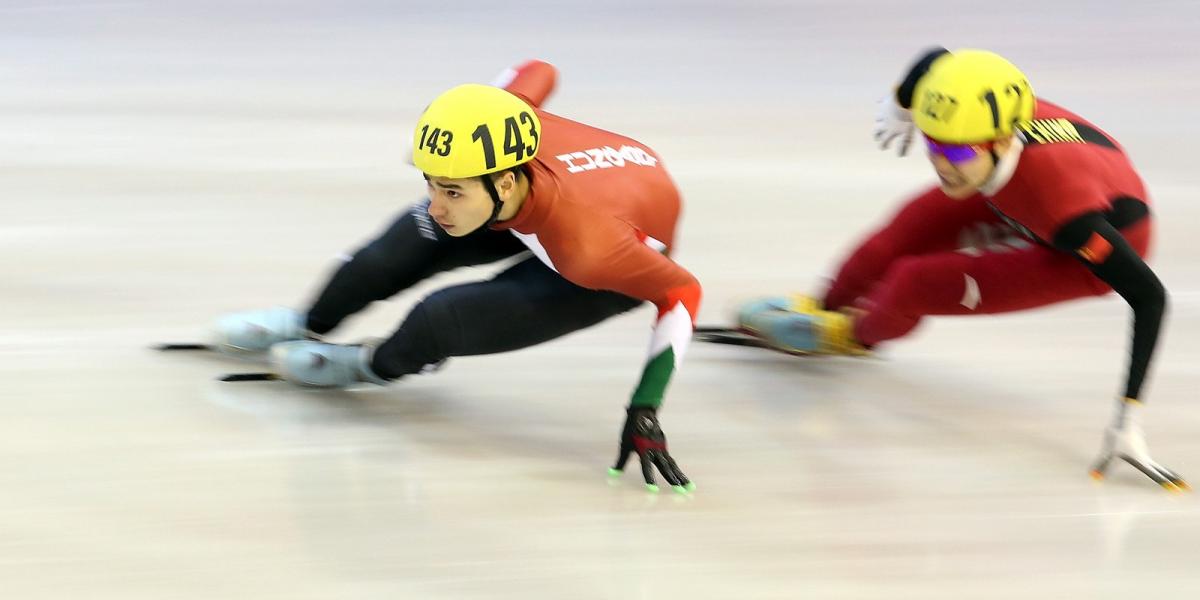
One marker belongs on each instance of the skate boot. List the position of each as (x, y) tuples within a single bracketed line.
[(254, 332), (798, 324), (310, 363)]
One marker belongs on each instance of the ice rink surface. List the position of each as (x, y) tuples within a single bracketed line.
[(164, 162)]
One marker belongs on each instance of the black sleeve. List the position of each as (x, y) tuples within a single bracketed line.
[(1089, 238), (904, 93)]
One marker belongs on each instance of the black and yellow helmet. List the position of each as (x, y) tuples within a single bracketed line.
[(971, 96)]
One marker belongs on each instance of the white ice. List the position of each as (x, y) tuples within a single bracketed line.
[(164, 162)]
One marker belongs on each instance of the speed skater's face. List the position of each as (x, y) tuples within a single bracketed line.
[(460, 206), (963, 169)]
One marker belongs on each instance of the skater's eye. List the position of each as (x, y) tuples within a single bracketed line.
[(452, 194)]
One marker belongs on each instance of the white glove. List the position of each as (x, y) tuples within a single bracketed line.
[(893, 123), (1125, 440), (257, 330)]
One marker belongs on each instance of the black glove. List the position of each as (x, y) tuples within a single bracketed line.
[(643, 434)]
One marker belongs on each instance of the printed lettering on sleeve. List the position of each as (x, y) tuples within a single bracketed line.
[(606, 157)]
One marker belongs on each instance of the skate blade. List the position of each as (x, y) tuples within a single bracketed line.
[(186, 347), (733, 336), (238, 377)]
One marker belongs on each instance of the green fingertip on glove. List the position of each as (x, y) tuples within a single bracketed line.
[(652, 488)]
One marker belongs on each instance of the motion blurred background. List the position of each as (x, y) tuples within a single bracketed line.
[(164, 162)]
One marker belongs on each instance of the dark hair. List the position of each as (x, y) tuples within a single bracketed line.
[(517, 171)]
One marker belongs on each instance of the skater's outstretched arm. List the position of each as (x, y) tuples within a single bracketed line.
[(629, 263), (533, 81), (893, 121), (1110, 257), (1094, 239)]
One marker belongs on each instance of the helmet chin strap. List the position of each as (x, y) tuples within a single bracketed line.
[(995, 165), (1004, 164), (497, 205), (490, 186)]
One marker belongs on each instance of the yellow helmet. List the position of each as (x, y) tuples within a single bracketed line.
[(473, 130), (971, 96)]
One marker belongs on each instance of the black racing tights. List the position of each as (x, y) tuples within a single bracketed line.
[(524, 305)]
